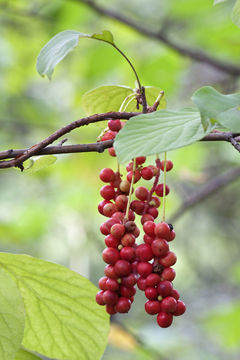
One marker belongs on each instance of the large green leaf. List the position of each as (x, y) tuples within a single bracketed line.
[(236, 13), (41, 163), (156, 132), (212, 103), (111, 97), (215, 2), (25, 355), (60, 45), (12, 317), (63, 320), (230, 119)]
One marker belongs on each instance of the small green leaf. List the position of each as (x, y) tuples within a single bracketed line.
[(105, 36), (12, 317), (56, 49), (63, 320), (159, 131), (23, 354), (230, 119), (211, 103), (236, 13), (41, 163)]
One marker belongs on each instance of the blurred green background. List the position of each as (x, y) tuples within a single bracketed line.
[(52, 214)]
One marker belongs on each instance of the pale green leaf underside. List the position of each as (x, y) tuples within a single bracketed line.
[(230, 119), (25, 355), (212, 103), (110, 98), (156, 132), (41, 163), (63, 320), (60, 45), (12, 317), (218, 1), (236, 13)]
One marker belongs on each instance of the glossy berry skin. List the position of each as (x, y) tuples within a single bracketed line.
[(152, 307), (99, 298), (107, 175), (169, 165), (121, 202), (153, 280), (127, 292), (168, 260), (111, 241), (141, 193), (102, 204), (129, 281), (160, 247), (109, 209), (110, 255), (109, 135), (146, 217), (111, 309), (114, 125), (181, 308), (137, 206), (153, 211), (168, 274), (151, 293), (164, 320), (128, 240), (148, 239), (112, 284), (175, 294), (144, 269), (117, 230), (149, 227), (159, 190), (147, 173), (169, 304), (110, 272), (107, 192), (142, 283), (140, 160), (144, 252), (164, 288), (162, 230), (137, 176), (102, 283), (122, 268), (128, 253), (123, 305), (110, 297)]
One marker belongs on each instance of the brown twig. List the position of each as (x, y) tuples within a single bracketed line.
[(207, 190), (195, 54)]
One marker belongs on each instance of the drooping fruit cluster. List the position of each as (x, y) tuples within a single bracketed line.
[(148, 264)]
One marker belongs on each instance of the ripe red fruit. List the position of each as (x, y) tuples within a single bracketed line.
[(168, 260), (123, 305), (117, 217), (181, 308), (107, 175), (110, 255), (111, 151), (147, 173), (140, 160), (164, 288), (130, 226), (122, 268), (175, 294), (144, 269), (112, 284), (107, 192), (111, 309), (110, 297), (117, 230), (102, 204), (153, 280), (137, 206), (128, 253), (159, 247), (128, 239), (168, 274), (99, 298), (141, 193), (137, 176), (169, 165), (102, 283), (152, 211), (129, 166), (136, 232), (114, 125), (127, 292), (153, 307), (171, 236), (144, 252), (110, 222), (110, 272), (111, 241), (104, 229), (151, 293), (109, 209), (159, 190), (169, 304), (121, 202), (164, 320), (142, 283), (109, 135), (149, 227), (129, 281), (146, 217), (148, 239), (162, 230)]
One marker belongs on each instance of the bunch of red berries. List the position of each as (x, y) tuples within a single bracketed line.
[(148, 264)]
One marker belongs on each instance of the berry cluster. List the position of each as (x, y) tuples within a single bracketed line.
[(149, 264)]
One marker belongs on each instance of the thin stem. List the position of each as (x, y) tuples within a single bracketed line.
[(131, 186), (164, 187), (126, 100)]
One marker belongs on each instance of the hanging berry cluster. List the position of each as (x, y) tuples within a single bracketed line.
[(149, 265)]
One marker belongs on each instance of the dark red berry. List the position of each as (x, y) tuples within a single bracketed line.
[(110, 255), (164, 320), (110, 272), (117, 230), (122, 268), (137, 206), (148, 239), (159, 190), (153, 280), (160, 247), (111, 309), (169, 165), (137, 176), (162, 230), (146, 217), (128, 253), (153, 307), (127, 292), (107, 175), (123, 305), (151, 293), (114, 125), (181, 308), (121, 202), (109, 209), (149, 227), (153, 211), (169, 304), (144, 252), (128, 240), (112, 284), (99, 298), (102, 283), (147, 173), (142, 283), (141, 193), (110, 297), (107, 192), (129, 281), (168, 274), (144, 269), (168, 260), (165, 288), (140, 160), (111, 241), (175, 294)]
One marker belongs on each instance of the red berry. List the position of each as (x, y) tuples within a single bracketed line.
[(112, 152), (110, 297), (107, 192), (153, 280), (160, 247), (136, 232), (164, 288), (175, 294), (153, 211), (168, 260), (129, 281), (128, 239), (142, 283), (127, 292), (99, 298), (153, 307), (148, 239), (162, 230), (147, 173), (171, 235), (137, 176), (140, 160), (129, 166), (141, 193), (159, 190), (169, 304), (168, 274), (144, 252), (155, 201), (122, 268), (144, 269), (111, 241), (111, 309), (114, 125), (164, 320), (146, 217), (112, 284), (110, 272), (102, 204), (169, 165), (121, 202), (110, 255), (123, 305), (151, 293), (137, 206), (154, 169), (130, 226), (102, 283), (128, 253), (104, 229), (181, 308), (117, 217), (149, 227), (117, 230), (110, 222), (107, 175), (109, 209), (109, 135)]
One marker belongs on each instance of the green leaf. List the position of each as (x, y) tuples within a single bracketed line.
[(236, 13), (56, 49), (230, 119), (212, 103), (218, 1), (12, 317), (41, 163), (25, 355), (63, 320), (152, 133), (105, 36)]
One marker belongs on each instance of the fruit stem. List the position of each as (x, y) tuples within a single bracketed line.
[(154, 184), (131, 186), (164, 186)]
